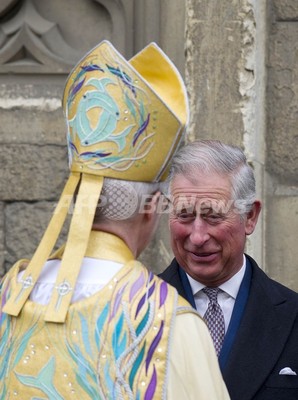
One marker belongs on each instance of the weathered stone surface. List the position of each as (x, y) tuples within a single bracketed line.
[(32, 126), (282, 254), (213, 51), (25, 224), (286, 10), (31, 110), (282, 95), (32, 172), (172, 14)]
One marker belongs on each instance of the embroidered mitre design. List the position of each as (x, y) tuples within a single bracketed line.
[(113, 345)]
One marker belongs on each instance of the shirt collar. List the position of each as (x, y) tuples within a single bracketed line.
[(231, 287)]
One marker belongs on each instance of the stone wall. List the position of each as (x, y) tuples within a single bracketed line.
[(240, 63), (282, 142)]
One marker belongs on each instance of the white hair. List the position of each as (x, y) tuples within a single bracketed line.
[(207, 156), (122, 200)]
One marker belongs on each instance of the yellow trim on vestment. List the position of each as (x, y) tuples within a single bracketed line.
[(106, 246), (75, 248), (103, 246)]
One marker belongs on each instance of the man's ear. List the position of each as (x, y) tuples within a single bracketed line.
[(151, 205), (252, 217)]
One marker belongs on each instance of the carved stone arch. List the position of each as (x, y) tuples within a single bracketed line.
[(33, 41)]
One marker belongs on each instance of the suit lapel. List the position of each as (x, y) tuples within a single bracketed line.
[(260, 339), (237, 315)]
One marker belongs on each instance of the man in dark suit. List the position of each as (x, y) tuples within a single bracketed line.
[(252, 319)]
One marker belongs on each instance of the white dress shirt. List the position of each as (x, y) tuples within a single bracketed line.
[(226, 297)]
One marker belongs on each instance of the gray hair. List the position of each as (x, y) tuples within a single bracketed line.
[(122, 200), (214, 156)]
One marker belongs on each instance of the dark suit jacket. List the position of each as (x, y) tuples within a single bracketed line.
[(266, 341)]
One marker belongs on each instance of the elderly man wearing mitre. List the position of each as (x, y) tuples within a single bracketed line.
[(89, 321)]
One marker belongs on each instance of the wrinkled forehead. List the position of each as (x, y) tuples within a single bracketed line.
[(202, 187), (201, 204)]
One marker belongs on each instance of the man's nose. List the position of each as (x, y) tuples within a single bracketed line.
[(199, 232)]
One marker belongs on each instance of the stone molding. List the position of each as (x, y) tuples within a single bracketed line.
[(33, 44)]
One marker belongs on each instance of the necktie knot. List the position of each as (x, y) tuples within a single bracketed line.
[(211, 293)]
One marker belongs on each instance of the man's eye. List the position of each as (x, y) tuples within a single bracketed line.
[(212, 217), (185, 216)]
